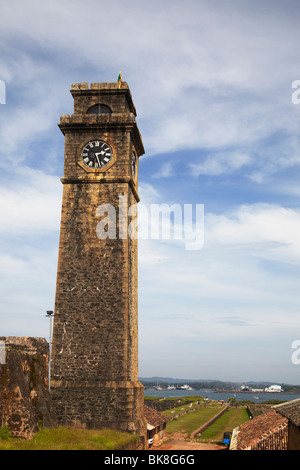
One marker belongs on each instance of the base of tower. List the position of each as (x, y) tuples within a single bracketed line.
[(111, 405)]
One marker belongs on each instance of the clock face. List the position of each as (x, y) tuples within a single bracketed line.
[(134, 165), (96, 154)]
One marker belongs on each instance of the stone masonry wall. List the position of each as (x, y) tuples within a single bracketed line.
[(25, 401), (94, 380)]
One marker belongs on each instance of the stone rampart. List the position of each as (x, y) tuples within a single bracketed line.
[(25, 402)]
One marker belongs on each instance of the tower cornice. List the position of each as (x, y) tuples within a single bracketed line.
[(103, 122)]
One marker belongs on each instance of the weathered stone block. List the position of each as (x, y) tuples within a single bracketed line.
[(25, 401)]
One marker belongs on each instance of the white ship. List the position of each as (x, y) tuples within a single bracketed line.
[(185, 387)]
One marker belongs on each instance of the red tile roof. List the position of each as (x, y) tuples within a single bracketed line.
[(260, 428), (154, 417), (290, 410)]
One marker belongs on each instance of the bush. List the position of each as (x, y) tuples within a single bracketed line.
[(4, 433)]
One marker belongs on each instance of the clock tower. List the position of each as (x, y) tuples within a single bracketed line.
[(94, 367)]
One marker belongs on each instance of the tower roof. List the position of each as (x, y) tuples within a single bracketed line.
[(104, 89)]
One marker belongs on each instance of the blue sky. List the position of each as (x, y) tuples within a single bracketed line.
[(212, 84)]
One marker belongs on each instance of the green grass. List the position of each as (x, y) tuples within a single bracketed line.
[(68, 438), (181, 407), (187, 398), (192, 421), (227, 422)]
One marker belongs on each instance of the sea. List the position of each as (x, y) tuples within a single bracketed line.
[(255, 397)]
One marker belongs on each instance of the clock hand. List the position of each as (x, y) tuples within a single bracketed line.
[(96, 154)]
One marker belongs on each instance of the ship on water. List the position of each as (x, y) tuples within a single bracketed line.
[(185, 387)]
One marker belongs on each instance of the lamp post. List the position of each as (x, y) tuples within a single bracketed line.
[(50, 314)]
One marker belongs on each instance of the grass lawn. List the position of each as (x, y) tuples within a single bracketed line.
[(227, 422), (185, 405), (67, 438), (191, 421)]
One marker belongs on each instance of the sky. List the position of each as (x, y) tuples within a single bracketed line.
[(215, 85)]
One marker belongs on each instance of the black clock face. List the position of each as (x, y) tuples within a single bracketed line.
[(96, 154), (134, 165)]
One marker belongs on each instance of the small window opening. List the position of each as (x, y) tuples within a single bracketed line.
[(103, 109)]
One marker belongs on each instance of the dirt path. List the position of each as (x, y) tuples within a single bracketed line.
[(176, 442)]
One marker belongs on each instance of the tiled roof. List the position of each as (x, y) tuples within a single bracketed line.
[(259, 428), (256, 409), (154, 417), (290, 410)]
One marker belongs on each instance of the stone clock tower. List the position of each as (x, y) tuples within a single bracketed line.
[(94, 370)]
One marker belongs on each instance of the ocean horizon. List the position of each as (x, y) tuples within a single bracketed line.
[(255, 397)]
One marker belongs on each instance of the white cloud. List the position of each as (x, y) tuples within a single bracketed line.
[(237, 271), (30, 203), (234, 304), (28, 275), (166, 170), (221, 163), (268, 230)]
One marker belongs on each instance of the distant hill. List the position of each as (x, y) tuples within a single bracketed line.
[(172, 380), (197, 384), (212, 383)]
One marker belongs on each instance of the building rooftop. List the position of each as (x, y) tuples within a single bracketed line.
[(290, 410), (154, 417), (257, 430)]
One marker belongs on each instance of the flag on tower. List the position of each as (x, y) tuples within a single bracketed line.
[(120, 79)]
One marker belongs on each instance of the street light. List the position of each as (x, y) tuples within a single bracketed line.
[(50, 314)]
